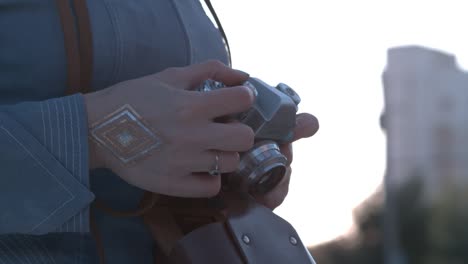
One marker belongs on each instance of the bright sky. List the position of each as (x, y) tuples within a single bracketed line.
[(333, 54)]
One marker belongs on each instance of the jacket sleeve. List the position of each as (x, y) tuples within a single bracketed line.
[(44, 174)]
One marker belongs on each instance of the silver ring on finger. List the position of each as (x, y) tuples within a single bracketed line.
[(215, 171)]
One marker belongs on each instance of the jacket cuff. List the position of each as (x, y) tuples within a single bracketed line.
[(47, 170)]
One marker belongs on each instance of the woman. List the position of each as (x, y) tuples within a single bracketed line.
[(95, 102)]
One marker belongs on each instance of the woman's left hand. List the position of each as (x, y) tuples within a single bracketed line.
[(306, 126)]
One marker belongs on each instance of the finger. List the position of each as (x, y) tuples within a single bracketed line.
[(287, 151), (286, 179), (196, 74), (306, 126), (217, 71), (206, 161), (229, 137), (198, 185), (275, 197), (221, 102), (191, 77)]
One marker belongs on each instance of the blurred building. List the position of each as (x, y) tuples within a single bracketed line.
[(425, 120)]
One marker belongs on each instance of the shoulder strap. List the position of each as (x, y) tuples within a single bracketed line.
[(71, 47), (86, 44), (78, 45)]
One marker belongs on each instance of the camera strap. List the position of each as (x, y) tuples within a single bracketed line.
[(220, 28), (235, 229)]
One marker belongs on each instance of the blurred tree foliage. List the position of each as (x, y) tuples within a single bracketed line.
[(363, 246), (429, 233)]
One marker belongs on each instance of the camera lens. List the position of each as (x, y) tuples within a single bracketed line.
[(269, 180), (261, 168)]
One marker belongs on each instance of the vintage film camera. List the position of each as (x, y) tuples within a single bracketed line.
[(273, 118), (240, 229)]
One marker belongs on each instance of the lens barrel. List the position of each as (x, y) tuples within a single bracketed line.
[(261, 168)]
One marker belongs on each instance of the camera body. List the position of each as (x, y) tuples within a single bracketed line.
[(272, 117)]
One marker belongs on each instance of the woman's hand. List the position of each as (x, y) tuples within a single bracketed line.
[(160, 136), (307, 125)]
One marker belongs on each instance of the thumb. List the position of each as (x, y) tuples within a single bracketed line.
[(306, 126)]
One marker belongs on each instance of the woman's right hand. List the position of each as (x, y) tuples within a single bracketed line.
[(181, 119)]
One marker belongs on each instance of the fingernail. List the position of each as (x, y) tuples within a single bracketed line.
[(243, 73), (252, 88), (251, 92)]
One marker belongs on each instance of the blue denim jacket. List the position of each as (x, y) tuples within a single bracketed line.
[(45, 184)]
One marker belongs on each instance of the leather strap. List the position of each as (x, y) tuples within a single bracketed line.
[(210, 244), (171, 218), (250, 234), (262, 236), (85, 44), (71, 47), (78, 45)]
